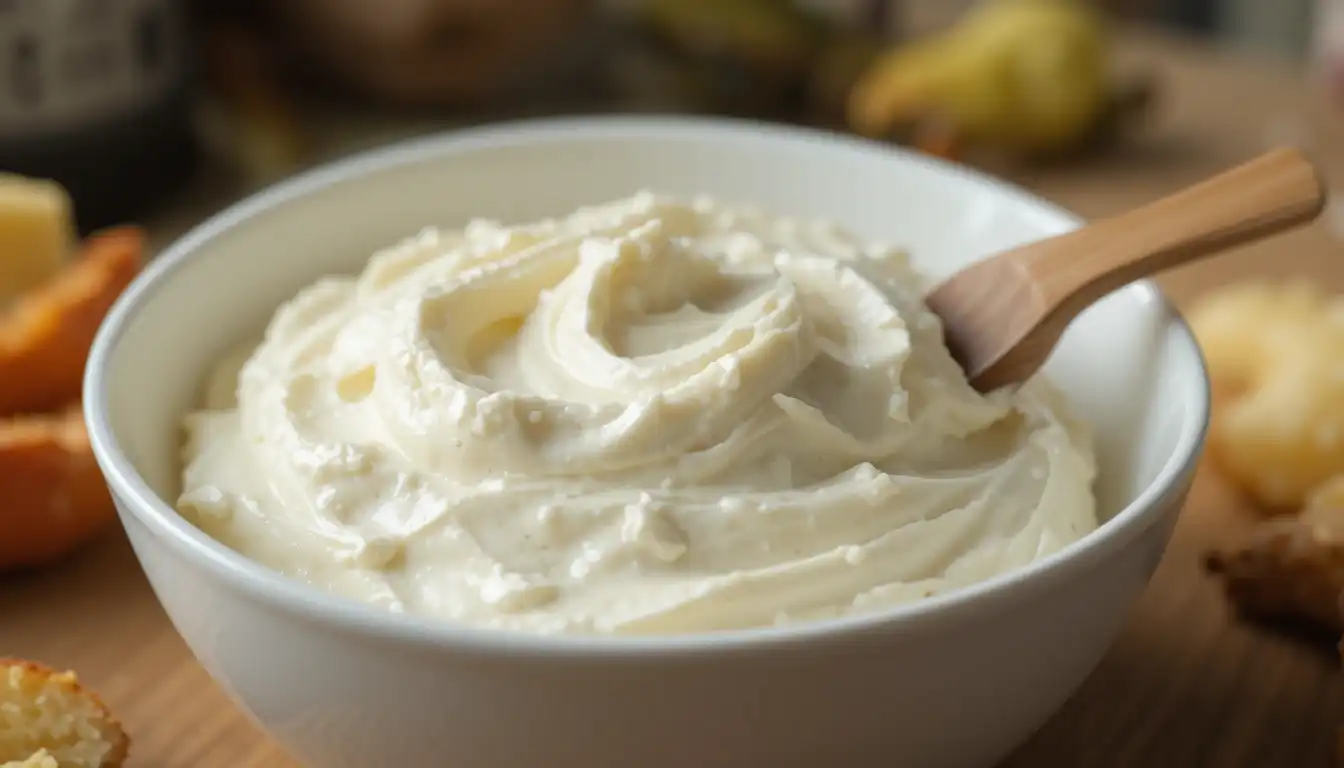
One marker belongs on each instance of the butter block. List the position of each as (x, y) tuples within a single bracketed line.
[(36, 233)]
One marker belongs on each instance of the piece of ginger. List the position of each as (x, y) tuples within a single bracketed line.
[(1290, 567)]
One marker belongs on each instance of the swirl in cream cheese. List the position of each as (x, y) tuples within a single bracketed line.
[(650, 416)]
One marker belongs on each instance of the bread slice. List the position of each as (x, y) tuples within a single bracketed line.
[(45, 337), (48, 719), (55, 498)]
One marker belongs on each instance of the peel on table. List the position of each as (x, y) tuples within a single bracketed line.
[(55, 498)]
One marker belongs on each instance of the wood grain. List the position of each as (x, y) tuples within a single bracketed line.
[(1183, 687), (1004, 314)]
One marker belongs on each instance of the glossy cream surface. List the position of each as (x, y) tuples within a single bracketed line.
[(653, 415)]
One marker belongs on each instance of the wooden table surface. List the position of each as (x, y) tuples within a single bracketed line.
[(1184, 686)]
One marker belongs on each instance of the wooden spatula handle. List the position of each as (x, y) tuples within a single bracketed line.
[(1278, 190), (1002, 315)]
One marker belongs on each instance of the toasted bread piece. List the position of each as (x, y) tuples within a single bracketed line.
[(54, 495), (48, 719), (45, 337)]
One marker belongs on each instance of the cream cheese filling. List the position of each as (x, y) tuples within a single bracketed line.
[(649, 416)]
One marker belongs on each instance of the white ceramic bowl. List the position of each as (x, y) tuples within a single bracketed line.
[(951, 682)]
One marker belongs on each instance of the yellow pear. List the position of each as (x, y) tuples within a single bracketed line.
[(1028, 74)]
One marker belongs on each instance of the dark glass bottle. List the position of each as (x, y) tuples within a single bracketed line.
[(96, 94)]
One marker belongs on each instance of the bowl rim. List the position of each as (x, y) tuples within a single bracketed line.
[(244, 576)]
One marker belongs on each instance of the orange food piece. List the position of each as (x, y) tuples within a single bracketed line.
[(55, 498), (48, 718), (54, 495), (45, 337)]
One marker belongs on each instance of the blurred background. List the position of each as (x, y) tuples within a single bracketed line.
[(161, 112), (132, 103)]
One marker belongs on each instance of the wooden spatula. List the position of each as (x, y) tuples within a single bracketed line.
[(1003, 315)]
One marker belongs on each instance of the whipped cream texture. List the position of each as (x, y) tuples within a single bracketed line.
[(649, 416)]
